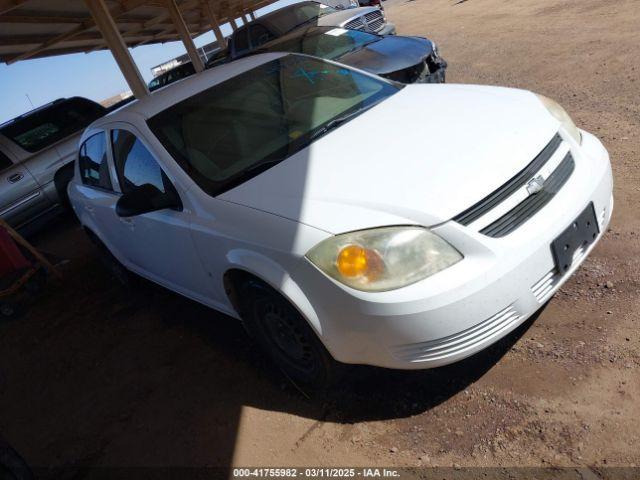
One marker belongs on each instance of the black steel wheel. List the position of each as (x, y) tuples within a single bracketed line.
[(285, 336)]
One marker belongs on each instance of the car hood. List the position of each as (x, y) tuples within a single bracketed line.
[(389, 54), (340, 17), (421, 156)]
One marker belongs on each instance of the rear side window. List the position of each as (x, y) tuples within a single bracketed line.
[(48, 125), (92, 162), (5, 162), (135, 164)]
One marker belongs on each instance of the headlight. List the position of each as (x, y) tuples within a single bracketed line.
[(434, 47), (562, 116), (383, 258)]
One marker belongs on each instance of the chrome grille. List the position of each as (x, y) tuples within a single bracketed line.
[(355, 24), (374, 21)]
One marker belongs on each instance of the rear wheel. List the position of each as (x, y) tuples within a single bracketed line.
[(61, 180), (285, 336)]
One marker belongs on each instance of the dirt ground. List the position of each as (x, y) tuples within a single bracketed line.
[(94, 375)]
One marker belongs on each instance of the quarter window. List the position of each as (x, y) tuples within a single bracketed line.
[(241, 41), (92, 161), (135, 164)]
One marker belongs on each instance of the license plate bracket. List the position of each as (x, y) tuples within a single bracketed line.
[(582, 232)]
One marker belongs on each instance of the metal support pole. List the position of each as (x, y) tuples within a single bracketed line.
[(109, 30), (183, 31), (215, 25)]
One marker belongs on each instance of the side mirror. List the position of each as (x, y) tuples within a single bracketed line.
[(144, 199)]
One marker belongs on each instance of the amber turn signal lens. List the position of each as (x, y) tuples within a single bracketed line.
[(352, 261)]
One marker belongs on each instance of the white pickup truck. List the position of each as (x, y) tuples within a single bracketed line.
[(37, 150)]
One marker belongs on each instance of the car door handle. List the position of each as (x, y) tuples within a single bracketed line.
[(89, 208), (127, 221), (16, 177)]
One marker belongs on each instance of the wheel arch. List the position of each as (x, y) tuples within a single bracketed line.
[(248, 265)]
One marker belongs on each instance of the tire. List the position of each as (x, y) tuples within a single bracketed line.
[(286, 337), (118, 271), (61, 180)]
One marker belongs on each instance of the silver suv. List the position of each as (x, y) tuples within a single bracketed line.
[(37, 150)]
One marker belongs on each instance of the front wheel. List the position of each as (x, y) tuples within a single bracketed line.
[(286, 337)]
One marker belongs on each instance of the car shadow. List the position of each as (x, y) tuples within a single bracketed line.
[(146, 377)]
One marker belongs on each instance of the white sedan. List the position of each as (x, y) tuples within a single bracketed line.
[(342, 216)]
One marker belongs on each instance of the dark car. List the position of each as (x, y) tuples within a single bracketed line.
[(280, 22), (403, 59), (173, 75)]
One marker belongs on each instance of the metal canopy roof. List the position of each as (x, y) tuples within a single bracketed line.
[(40, 28)]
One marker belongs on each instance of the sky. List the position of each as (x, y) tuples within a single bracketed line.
[(32, 83)]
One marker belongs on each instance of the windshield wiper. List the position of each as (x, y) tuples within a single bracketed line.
[(262, 166), (336, 122)]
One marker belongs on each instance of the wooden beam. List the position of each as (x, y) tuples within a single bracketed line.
[(107, 26), (40, 18), (215, 24), (183, 31), (8, 5), (83, 27)]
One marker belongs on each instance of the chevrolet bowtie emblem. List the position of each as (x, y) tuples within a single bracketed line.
[(535, 185)]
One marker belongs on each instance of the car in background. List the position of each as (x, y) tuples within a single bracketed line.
[(266, 189), (177, 73), (341, 4), (37, 153), (403, 59), (284, 20)]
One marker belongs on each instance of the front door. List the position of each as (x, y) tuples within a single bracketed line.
[(157, 245), (21, 198)]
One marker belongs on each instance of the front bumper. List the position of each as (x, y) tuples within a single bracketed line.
[(434, 73), (500, 284)]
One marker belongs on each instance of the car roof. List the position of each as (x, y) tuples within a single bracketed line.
[(173, 93), (280, 11), (307, 31)]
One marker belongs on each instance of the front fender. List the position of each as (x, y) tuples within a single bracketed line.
[(277, 277)]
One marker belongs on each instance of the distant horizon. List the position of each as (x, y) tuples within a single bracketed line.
[(32, 83)]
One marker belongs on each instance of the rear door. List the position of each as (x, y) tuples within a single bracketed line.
[(21, 198)]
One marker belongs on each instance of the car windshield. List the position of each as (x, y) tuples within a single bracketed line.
[(48, 125), (289, 18), (221, 135), (325, 42)]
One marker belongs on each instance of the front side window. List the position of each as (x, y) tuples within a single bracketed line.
[(224, 135), (48, 125), (135, 164), (92, 162)]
